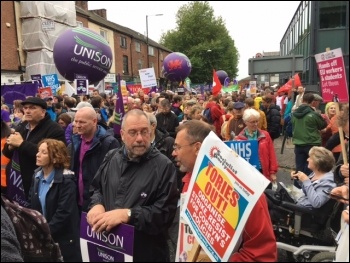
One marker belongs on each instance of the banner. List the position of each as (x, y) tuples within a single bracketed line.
[(119, 111), (81, 83), (148, 77), (116, 245), (18, 91), (248, 150), (332, 72), (45, 92), (51, 80), (222, 193), (37, 77), (15, 191)]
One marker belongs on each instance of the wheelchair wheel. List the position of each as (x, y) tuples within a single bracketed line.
[(323, 257)]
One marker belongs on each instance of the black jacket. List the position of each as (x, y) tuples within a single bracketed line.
[(273, 119), (164, 143), (146, 185), (46, 128), (168, 121), (61, 212)]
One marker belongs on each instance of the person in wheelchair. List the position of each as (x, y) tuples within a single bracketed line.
[(314, 187)]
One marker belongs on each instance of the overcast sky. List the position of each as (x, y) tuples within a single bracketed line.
[(255, 27)]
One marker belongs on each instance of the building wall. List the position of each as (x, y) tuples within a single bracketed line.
[(9, 53), (110, 40), (13, 56), (312, 30)]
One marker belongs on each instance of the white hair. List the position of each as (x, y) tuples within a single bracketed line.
[(248, 113)]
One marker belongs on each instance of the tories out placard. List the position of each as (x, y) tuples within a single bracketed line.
[(223, 190), (332, 72)]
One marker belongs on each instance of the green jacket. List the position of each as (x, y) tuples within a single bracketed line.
[(307, 124)]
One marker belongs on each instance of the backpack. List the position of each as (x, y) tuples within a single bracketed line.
[(207, 115), (33, 233)]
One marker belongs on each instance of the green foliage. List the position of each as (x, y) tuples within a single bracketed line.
[(197, 32)]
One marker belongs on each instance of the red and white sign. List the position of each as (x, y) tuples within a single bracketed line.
[(332, 72)]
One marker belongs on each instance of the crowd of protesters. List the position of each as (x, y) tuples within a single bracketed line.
[(154, 133)]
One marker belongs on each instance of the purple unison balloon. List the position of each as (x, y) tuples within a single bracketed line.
[(82, 51), (176, 66), (222, 75)]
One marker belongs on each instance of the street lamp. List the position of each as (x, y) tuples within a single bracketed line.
[(147, 36)]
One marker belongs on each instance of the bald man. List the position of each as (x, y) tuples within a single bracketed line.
[(88, 149)]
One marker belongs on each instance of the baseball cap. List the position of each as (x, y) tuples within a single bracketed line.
[(48, 98), (35, 101), (317, 97), (238, 105), (82, 104)]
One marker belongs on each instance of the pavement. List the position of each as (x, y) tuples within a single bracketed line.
[(285, 159)]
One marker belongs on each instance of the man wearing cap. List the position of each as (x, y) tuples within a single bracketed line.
[(50, 109), (235, 124), (316, 102), (36, 126)]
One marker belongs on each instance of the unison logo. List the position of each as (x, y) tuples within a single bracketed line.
[(84, 49)]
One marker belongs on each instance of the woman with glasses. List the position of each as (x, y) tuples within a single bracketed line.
[(268, 165)]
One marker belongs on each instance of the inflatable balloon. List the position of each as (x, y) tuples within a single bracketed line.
[(82, 51), (222, 75), (176, 66)]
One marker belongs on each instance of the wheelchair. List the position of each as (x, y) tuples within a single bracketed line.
[(304, 235)]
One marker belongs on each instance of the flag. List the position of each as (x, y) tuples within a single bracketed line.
[(216, 84), (69, 90), (297, 81), (288, 86), (119, 110)]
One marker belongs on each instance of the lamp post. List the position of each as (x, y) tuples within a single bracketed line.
[(147, 36)]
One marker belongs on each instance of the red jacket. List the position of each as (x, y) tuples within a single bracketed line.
[(267, 154), (216, 113), (258, 239)]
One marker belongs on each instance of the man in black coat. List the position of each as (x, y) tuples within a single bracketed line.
[(37, 126)]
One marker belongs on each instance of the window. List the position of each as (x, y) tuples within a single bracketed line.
[(151, 65), (332, 14), (138, 46), (125, 65), (161, 56), (80, 24), (150, 51), (123, 42), (103, 33), (139, 64)]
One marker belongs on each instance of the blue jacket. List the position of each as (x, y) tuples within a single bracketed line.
[(313, 191), (102, 143)]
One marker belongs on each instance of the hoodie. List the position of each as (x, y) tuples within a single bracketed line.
[(307, 124)]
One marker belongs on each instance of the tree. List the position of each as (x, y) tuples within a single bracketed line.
[(204, 39)]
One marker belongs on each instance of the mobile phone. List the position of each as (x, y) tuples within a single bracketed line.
[(334, 196)]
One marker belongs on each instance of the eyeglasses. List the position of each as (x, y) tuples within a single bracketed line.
[(134, 133), (177, 147)]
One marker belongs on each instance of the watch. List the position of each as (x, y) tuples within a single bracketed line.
[(129, 213)]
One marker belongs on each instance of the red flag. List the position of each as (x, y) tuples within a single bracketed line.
[(216, 84), (297, 81)]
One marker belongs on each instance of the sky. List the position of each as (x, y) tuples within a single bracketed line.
[(255, 27)]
